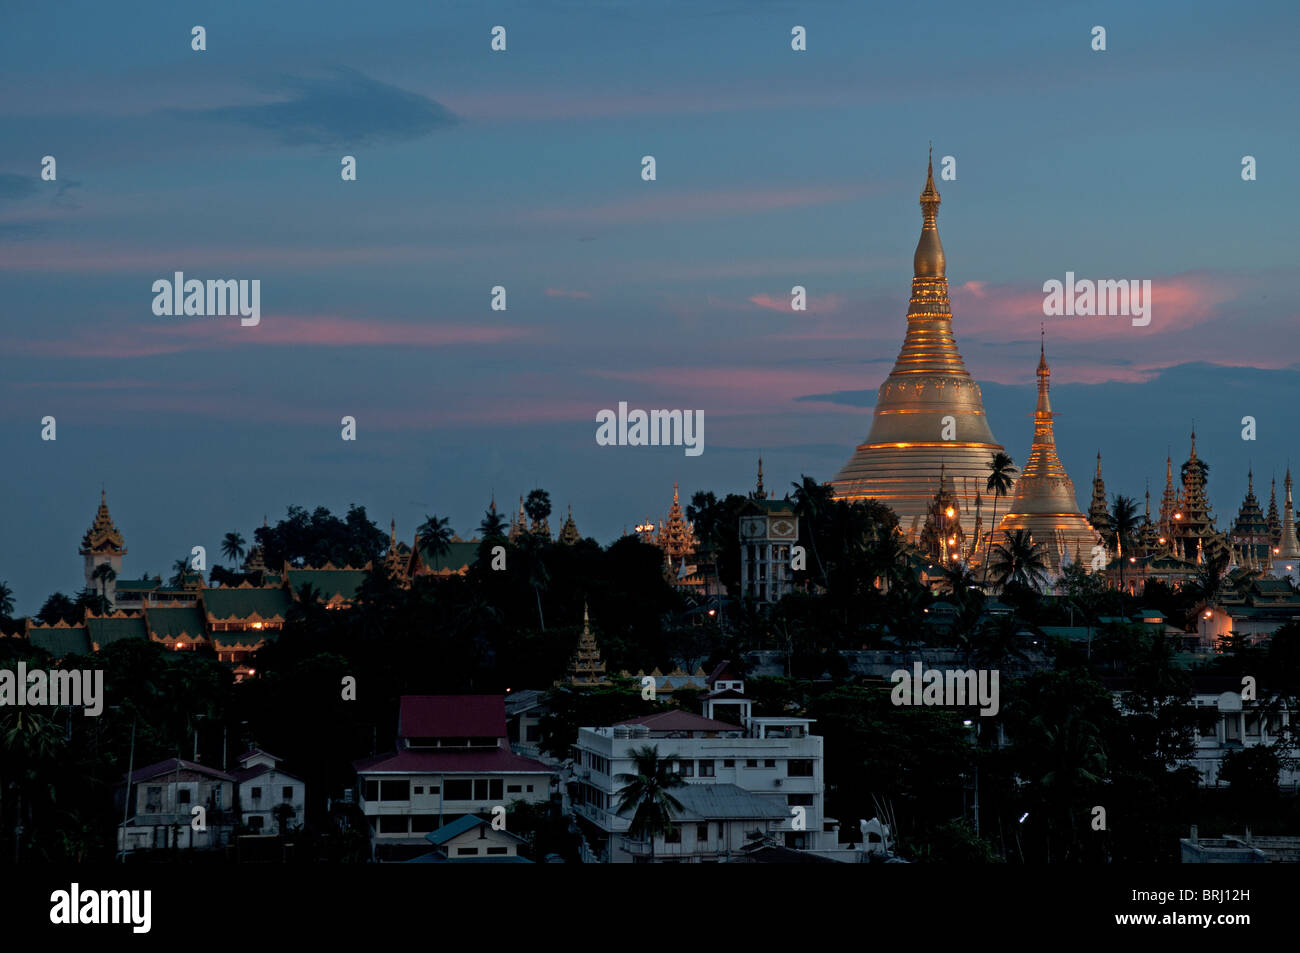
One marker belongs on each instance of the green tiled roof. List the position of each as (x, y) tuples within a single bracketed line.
[(222, 604), (60, 642), (184, 620), (107, 631), (329, 582), (457, 557), (228, 640)]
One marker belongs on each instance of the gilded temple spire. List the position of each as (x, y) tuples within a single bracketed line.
[(929, 262), (1044, 504), (929, 411)]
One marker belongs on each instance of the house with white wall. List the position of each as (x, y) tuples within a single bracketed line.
[(268, 794), (160, 801), (744, 775), (453, 758)]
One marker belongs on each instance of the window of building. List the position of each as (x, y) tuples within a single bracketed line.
[(287, 793), (706, 769), (769, 762), (513, 788), (392, 824), (371, 792), (257, 792), (497, 851), (434, 789), (494, 789), (423, 823), (751, 762), (183, 795), (799, 768), (729, 762), (796, 840), (394, 790), (674, 836), (466, 851), (799, 800), (529, 789), (701, 832), (419, 789), (686, 769), (460, 790), (255, 822)]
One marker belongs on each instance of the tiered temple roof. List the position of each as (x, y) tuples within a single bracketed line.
[(1194, 536), (1098, 509), (397, 558), (1251, 540), (1274, 521), (586, 667), (569, 531), (103, 537), (900, 460)]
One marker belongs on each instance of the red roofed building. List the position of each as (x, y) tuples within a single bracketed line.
[(452, 759)]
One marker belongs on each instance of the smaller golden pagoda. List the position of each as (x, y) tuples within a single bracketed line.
[(1044, 504)]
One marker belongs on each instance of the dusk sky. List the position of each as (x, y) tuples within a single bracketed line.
[(477, 168)]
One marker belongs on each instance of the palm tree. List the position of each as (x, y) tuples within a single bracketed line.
[(811, 500), (1020, 559), (181, 568), (6, 601), (493, 525), (538, 506), (647, 794), (232, 547), (1002, 476), (1122, 524), (435, 535), (104, 574), (533, 548)]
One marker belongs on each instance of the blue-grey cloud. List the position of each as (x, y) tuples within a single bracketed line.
[(342, 107)]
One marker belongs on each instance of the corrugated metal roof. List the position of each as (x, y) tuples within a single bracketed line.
[(707, 802)]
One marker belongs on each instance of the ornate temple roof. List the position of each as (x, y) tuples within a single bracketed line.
[(900, 460), (102, 537), (569, 531), (1098, 509), (677, 537)]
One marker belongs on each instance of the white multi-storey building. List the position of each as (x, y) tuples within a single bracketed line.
[(743, 775)]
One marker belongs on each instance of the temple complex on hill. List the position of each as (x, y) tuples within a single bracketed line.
[(1044, 504), (929, 418)]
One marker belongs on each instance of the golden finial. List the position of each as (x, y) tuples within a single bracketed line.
[(928, 262)]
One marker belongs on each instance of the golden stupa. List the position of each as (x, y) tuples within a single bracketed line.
[(910, 439), (1044, 502)]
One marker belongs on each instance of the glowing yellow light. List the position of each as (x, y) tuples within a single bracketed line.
[(948, 511)]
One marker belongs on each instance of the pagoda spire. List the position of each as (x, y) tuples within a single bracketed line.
[(1044, 504), (1098, 511), (1288, 548), (1274, 521), (759, 492), (927, 392)]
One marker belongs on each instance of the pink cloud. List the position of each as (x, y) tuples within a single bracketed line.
[(563, 293)]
